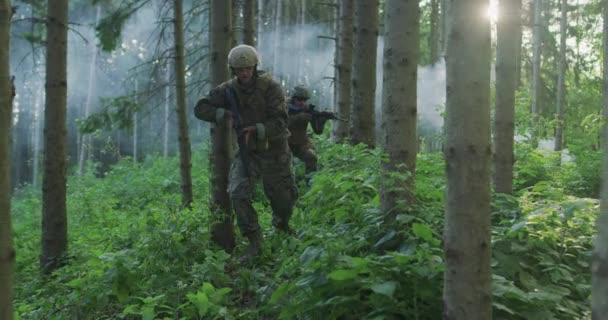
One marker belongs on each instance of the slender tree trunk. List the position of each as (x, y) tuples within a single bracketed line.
[(434, 36), (38, 101), (344, 69), (54, 211), (363, 119), (7, 253), (443, 43), (135, 125), (236, 25), (261, 30), (249, 22), (276, 38), (85, 142), (561, 78), (301, 21), (467, 291), (399, 106), (180, 93), (507, 55), (221, 148), (166, 124), (536, 61), (599, 268)]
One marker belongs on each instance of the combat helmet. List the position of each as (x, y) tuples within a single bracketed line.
[(301, 92), (243, 56)]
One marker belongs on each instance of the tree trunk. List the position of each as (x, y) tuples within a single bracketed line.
[(85, 142), (221, 149), (467, 238), (54, 211), (561, 78), (536, 61), (249, 7), (7, 253), (599, 293), (343, 69), (363, 119), (434, 36), (135, 125), (507, 55), (276, 38), (443, 43), (167, 109), (180, 94), (38, 100), (399, 106), (236, 25)]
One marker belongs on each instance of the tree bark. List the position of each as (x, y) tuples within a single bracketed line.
[(7, 253), (561, 78), (166, 123), (363, 119), (507, 55), (54, 211), (180, 94), (467, 238), (434, 36), (599, 293), (249, 22), (85, 142), (399, 104), (344, 69), (221, 152), (536, 64)]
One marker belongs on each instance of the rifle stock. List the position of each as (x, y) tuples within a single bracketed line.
[(230, 96)]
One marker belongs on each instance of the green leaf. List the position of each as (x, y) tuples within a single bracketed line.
[(279, 292), (148, 313), (343, 274), (385, 288), (502, 307), (422, 231)]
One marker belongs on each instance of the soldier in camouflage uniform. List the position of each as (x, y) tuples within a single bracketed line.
[(299, 117), (262, 113)]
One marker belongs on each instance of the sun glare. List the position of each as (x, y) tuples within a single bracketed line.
[(492, 12)]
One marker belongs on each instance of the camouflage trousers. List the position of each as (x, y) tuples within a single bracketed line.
[(274, 167), (306, 153)]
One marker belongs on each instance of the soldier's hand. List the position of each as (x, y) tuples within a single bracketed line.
[(228, 118), (248, 132)]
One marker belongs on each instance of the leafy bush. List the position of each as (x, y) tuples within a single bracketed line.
[(135, 254)]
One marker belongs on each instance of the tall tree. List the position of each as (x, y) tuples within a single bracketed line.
[(399, 106), (433, 39), (508, 31), (221, 152), (536, 65), (467, 240), (599, 302), (54, 211), (85, 142), (363, 119), (344, 60), (443, 42), (180, 94), (7, 253), (561, 77), (249, 7)]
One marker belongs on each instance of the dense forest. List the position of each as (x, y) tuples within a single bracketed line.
[(458, 177)]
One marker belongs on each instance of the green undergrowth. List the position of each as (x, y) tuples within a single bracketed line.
[(135, 254)]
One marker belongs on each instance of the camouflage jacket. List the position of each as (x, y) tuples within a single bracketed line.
[(298, 124), (261, 105)]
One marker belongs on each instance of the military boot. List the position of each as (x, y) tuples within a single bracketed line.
[(254, 248)]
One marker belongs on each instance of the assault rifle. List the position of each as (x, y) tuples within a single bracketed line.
[(237, 124), (315, 113)]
